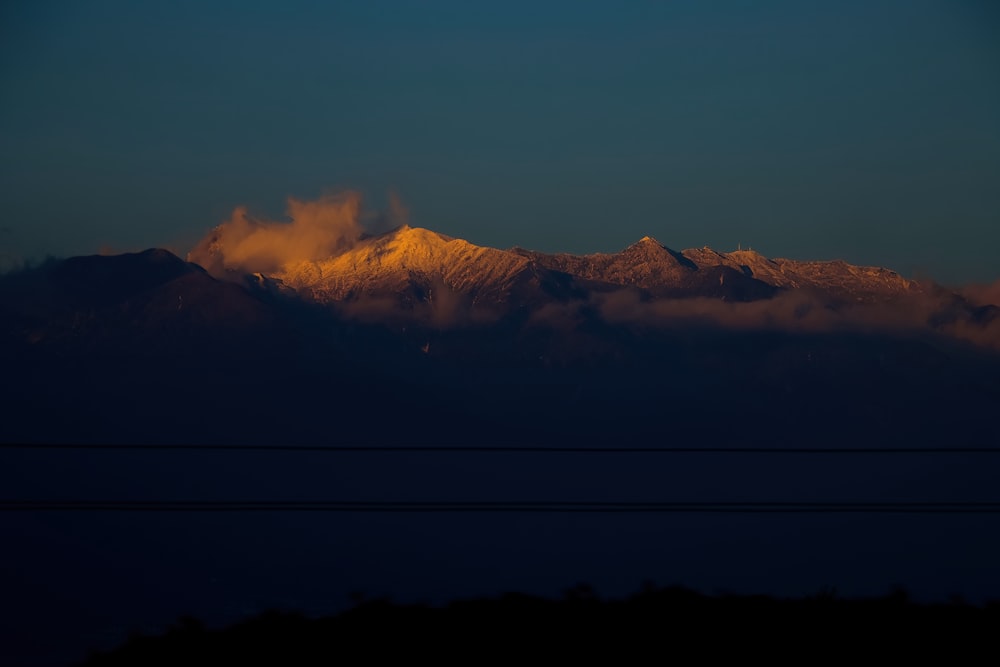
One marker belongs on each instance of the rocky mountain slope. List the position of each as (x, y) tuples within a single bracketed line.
[(836, 278), (408, 264)]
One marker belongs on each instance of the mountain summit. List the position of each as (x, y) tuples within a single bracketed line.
[(407, 262)]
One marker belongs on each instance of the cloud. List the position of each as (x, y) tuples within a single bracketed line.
[(395, 215), (790, 312), (10, 263), (982, 295), (316, 230)]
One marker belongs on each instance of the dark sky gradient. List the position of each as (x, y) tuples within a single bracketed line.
[(866, 130)]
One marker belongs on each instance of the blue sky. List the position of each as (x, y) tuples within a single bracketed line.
[(863, 130)]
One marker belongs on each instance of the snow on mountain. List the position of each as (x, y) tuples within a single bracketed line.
[(655, 268), (835, 278), (409, 265), (407, 261), (644, 264), (740, 275)]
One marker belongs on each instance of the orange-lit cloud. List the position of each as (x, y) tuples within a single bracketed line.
[(316, 230)]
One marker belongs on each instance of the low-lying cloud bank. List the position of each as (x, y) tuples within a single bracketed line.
[(796, 312), (791, 312)]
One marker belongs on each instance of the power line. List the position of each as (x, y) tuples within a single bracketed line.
[(502, 449), (500, 506)]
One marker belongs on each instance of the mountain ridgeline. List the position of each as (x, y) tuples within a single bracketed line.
[(407, 264), (505, 344)]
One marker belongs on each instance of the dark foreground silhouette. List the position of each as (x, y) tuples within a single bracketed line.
[(655, 623)]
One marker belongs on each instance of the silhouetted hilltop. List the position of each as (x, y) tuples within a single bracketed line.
[(148, 299), (656, 624)]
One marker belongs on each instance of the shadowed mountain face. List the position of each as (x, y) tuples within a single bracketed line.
[(148, 348), (145, 299)]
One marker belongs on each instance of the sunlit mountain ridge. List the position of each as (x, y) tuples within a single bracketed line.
[(409, 263), (405, 260)]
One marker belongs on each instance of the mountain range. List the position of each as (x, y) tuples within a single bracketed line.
[(540, 346), (409, 263)]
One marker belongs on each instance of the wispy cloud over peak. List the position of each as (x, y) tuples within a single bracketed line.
[(315, 229)]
